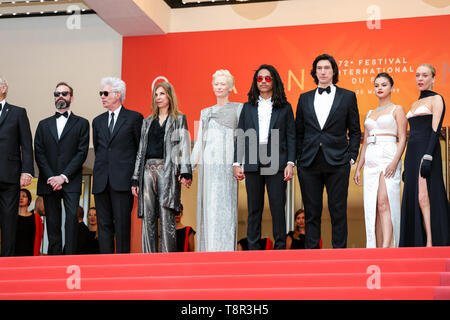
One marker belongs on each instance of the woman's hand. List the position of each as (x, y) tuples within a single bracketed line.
[(135, 191), (389, 172), (357, 177), (185, 182)]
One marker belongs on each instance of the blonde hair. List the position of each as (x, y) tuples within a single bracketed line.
[(429, 66), (173, 102), (226, 74)]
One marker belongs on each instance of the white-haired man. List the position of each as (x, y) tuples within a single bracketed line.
[(16, 165), (116, 134)]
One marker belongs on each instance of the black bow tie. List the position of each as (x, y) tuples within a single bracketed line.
[(327, 89), (58, 114)]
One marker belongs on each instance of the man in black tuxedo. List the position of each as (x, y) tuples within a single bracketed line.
[(16, 165), (116, 134), (328, 138), (266, 148), (61, 146)]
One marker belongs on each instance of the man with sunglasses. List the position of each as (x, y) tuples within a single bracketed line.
[(116, 134), (61, 146), (328, 138), (16, 165), (265, 153)]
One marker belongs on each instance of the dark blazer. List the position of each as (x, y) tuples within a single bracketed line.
[(282, 119), (343, 118), (16, 145), (115, 155), (65, 155)]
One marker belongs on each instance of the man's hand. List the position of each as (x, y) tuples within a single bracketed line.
[(56, 182), (238, 173), (25, 180), (288, 172), (135, 191)]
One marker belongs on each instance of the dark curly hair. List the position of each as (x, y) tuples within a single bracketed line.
[(333, 65), (278, 94)]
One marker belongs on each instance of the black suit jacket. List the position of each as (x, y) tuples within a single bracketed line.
[(65, 155), (343, 119), (282, 119), (16, 144), (115, 155)]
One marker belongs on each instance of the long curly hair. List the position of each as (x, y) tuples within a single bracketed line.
[(278, 94)]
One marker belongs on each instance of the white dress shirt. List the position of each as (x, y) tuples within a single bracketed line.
[(264, 114), (116, 116), (2, 103), (265, 107), (322, 104), (61, 123)]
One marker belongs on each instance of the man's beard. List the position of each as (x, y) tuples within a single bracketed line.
[(62, 104)]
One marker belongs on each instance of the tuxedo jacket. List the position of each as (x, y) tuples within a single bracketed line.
[(16, 145), (282, 144), (65, 155), (115, 154), (340, 136)]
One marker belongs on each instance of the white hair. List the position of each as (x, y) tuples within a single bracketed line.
[(116, 84), (3, 82), (226, 74)]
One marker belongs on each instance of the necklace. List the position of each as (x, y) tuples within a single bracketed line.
[(379, 109)]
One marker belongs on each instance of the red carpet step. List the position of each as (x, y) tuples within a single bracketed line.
[(350, 274)]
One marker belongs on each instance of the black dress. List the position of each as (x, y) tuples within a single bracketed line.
[(297, 243), (26, 229), (181, 238), (412, 231)]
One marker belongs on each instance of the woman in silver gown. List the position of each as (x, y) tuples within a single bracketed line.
[(213, 154), (162, 165)]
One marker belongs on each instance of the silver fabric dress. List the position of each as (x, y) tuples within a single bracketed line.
[(217, 189)]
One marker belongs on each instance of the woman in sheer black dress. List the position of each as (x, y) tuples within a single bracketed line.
[(425, 208)]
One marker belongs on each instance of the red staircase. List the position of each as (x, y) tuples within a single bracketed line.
[(350, 274)]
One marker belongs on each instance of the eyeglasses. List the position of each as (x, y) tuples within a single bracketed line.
[(105, 93), (261, 78), (57, 94)]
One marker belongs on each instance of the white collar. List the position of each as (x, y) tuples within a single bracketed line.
[(265, 100), (116, 112)]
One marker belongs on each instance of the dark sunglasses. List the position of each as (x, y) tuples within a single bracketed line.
[(104, 93), (267, 78), (57, 94)]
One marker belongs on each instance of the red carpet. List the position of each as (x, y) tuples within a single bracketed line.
[(400, 273)]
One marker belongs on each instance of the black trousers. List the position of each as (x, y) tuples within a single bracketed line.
[(53, 213), (114, 218), (312, 181), (276, 189), (9, 209)]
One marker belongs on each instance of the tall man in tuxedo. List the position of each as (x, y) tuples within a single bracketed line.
[(265, 146), (328, 138), (61, 146), (16, 165), (116, 134)]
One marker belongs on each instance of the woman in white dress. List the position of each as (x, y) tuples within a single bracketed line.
[(213, 154), (381, 156)]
